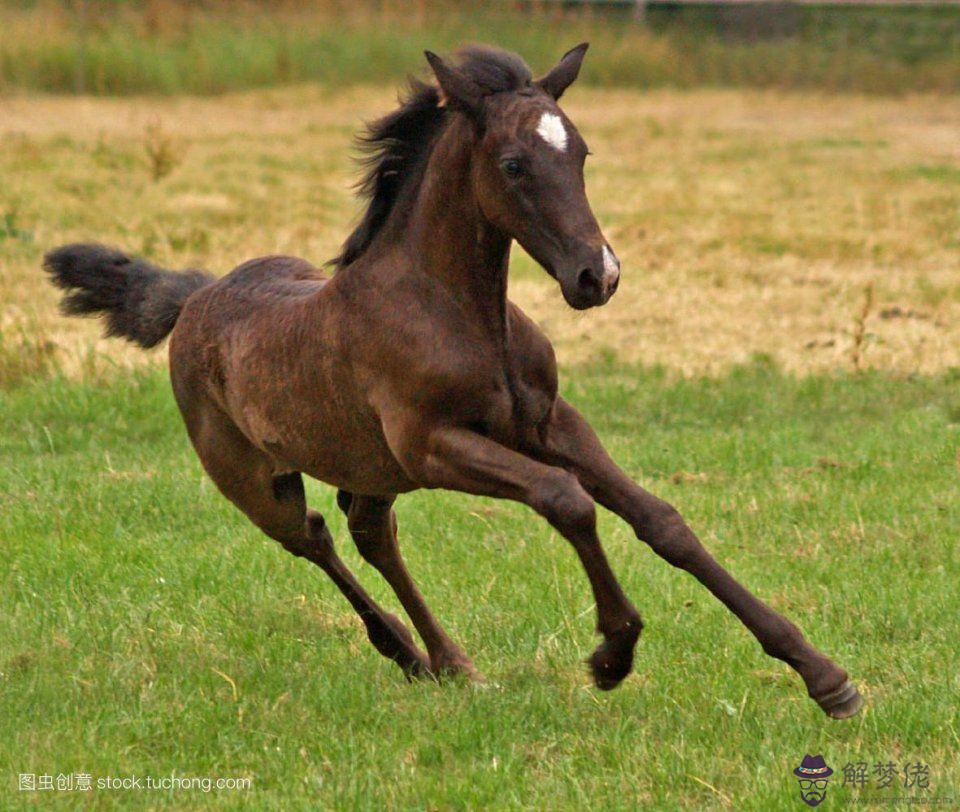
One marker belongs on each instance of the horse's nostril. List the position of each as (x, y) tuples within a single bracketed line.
[(587, 280)]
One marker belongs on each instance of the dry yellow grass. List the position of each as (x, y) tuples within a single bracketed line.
[(748, 222)]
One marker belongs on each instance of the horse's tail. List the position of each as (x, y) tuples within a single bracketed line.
[(139, 301)]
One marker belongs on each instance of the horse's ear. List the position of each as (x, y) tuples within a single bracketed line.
[(458, 90), (565, 72)]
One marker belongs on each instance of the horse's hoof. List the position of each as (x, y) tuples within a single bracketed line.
[(459, 669), (605, 682), (842, 703), (613, 658), (415, 667), (455, 666)]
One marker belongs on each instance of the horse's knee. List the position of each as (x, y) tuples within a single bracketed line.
[(563, 502), (665, 530)]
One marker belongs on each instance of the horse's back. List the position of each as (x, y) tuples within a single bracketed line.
[(243, 310), (259, 293), (271, 277)]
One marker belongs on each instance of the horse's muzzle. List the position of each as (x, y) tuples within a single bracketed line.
[(591, 281)]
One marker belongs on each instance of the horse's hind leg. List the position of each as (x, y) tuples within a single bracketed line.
[(277, 505), (373, 525)]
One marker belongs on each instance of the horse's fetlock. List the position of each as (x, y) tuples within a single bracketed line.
[(627, 624), (783, 641), (634, 621)]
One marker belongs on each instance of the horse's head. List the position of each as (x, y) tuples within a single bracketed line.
[(527, 172)]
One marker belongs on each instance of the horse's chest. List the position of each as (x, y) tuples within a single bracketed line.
[(520, 403), (530, 403)]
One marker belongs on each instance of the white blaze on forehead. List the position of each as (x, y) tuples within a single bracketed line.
[(551, 130), (609, 261)]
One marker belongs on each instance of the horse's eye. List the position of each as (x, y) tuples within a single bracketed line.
[(512, 168)]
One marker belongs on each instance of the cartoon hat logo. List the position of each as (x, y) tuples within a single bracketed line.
[(812, 774)]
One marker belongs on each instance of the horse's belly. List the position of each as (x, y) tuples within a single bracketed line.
[(342, 448), (360, 464)]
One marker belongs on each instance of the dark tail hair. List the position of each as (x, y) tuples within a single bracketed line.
[(140, 301)]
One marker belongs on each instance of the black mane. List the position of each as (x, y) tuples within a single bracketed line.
[(393, 148)]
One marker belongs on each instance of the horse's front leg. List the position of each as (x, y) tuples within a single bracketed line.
[(567, 440), (373, 525), (462, 460)]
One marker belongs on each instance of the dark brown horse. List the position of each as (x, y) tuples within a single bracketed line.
[(410, 368)]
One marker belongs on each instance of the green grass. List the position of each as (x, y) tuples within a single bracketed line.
[(176, 46), (131, 594)]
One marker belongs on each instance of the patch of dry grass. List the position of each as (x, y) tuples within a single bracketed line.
[(748, 222)]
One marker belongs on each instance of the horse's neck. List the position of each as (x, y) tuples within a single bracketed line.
[(452, 241)]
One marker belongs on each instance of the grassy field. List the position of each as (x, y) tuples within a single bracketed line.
[(780, 362), (183, 46), (147, 628)]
